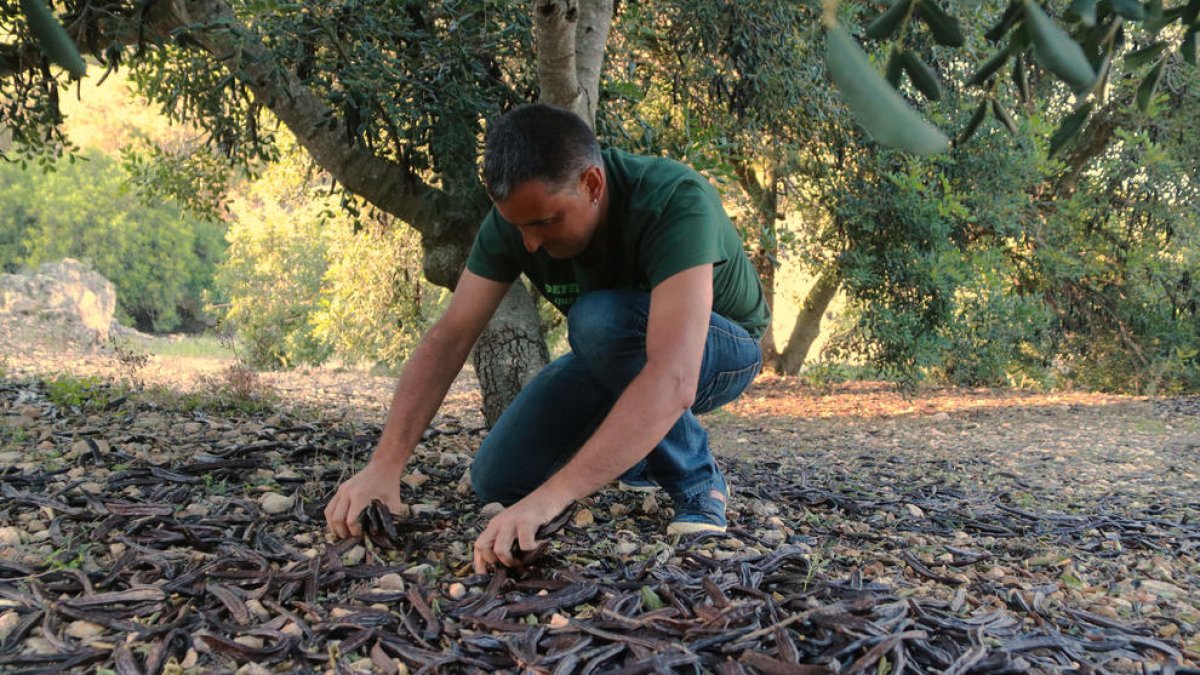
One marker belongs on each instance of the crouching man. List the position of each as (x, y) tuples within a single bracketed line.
[(664, 312)]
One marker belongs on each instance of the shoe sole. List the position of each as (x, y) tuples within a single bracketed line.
[(629, 487), (677, 529)]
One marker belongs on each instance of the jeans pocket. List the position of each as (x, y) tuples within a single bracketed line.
[(725, 387)]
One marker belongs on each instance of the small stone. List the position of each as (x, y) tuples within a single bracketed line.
[(339, 613), (40, 645), (491, 510), (116, 548), (84, 630), (189, 659), (583, 518), (649, 504), (559, 621), (274, 503), (423, 510), (354, 556), (8, 621), (256, 608), (463, 486), (291, 629), (193, 428), (303, 538), (35, 526), (41, 535), (625, 548), (457, 591), (78, 449), (249, 641), (197, 509), (618, 510), (941, 417), (415, 479), (915, 511), (10, 536), (419, 572), (251, 668), (1169, 630), (11, 457), (390, 582)]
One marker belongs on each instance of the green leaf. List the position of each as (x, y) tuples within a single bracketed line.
[(52, 38), (1130, 9), (886, 24), (1056, 51), (922, 76), (895, 67), (989, 68), (972, 124), (876, 105), (1011, 15), (1005, 119), (1083, 10), (1069, 128), (1145, 55), (945, 28), (650, 599), (1149, 85), (1020, 78)]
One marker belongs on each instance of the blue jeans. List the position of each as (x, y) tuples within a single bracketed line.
[(564, 404)]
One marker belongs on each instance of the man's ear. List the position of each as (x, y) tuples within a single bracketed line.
[(592, 182)]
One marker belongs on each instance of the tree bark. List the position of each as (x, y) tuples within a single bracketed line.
[(508, 354), (808, 322), (571, 36), (764, 195)]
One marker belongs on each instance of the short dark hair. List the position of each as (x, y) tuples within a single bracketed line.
[(537, 142)]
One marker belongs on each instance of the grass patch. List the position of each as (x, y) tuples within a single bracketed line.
[(192, 347)]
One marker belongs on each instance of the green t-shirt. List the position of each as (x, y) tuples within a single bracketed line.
[(663, 218)]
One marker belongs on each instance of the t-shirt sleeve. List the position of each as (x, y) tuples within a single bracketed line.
[(491, 254), (686, 233)]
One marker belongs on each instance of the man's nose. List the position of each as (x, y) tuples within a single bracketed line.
[(531, 242)]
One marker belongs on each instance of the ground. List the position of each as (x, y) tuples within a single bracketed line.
[(951, 530)]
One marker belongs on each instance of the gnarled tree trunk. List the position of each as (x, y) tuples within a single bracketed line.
[(808, 322)]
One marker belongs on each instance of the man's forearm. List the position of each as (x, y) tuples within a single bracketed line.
[(641, 417), (420, 389)]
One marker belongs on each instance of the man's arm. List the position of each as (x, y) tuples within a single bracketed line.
[(680, 310), (420, 390)]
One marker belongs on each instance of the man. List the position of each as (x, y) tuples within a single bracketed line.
[(664, 312)]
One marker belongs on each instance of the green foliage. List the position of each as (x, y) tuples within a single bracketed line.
[(87, 393), (305, 282), (160, 260)]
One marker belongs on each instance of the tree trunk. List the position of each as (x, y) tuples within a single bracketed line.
[(509, 353), (808, 322), (764, 195)]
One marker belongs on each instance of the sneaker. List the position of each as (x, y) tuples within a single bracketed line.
[(636, 479), (704, 512)]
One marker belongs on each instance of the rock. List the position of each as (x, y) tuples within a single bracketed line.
[(457, 591), (390, 582), (8, 621), (491, 510), (274, 503), (1169, 630), (559, 621), (63, 300), (190, 659), (625, 548), (915, 511), (583, 518), (11, 457), (35, 526), (354, 556), (292, 630), (618, 510), (10, 536), (40, 645), (415, 479), (251, 668), (83, 630), (649, 505), (196, 509), (250, 641), (256, 608), (419, 572)]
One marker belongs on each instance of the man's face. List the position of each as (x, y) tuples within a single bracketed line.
[(560, 223)]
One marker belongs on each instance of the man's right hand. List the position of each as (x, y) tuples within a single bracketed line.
[(357, 493)]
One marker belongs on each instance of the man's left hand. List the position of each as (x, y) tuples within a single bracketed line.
[(519, 524)]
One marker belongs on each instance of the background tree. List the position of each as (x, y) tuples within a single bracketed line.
[(388, 98)]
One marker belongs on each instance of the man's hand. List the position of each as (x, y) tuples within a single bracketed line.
[(356, 494), (519, 524)]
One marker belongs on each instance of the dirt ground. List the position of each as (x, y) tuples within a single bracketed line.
[(1085, 501)]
